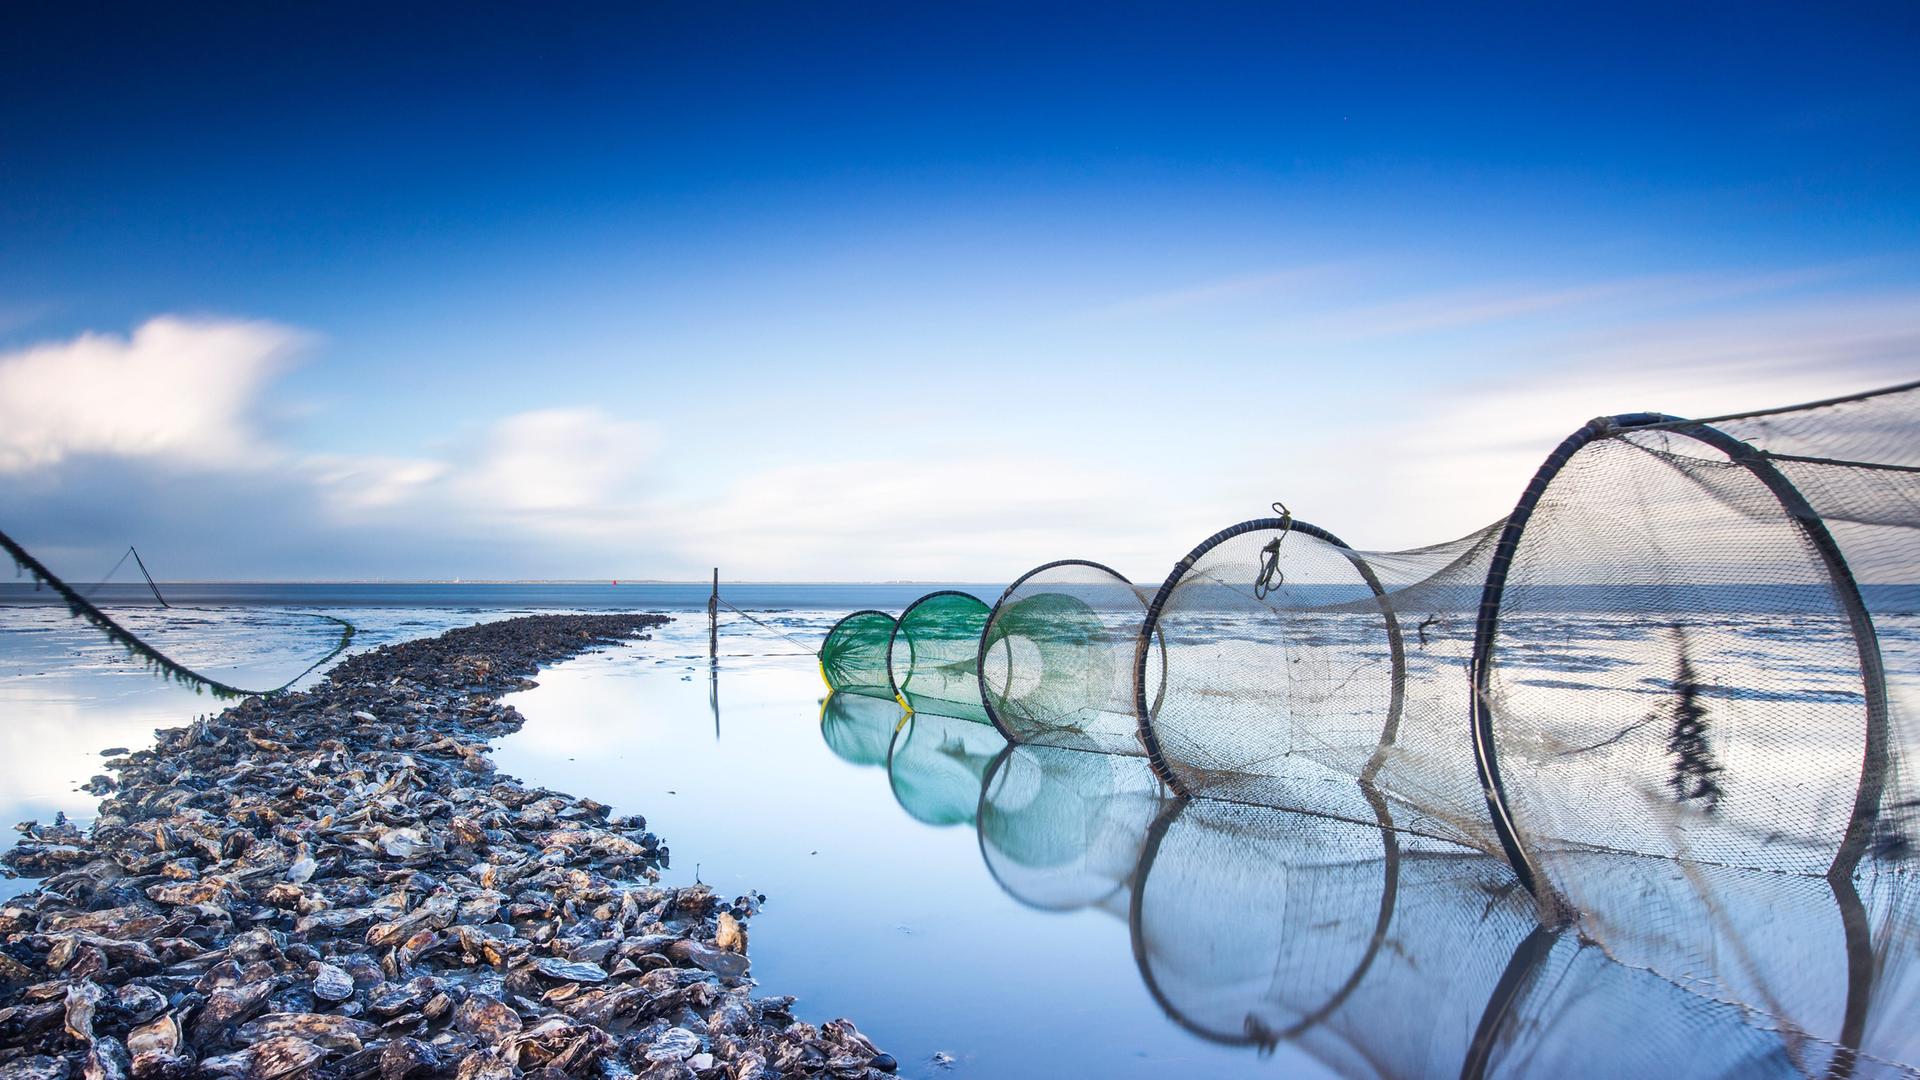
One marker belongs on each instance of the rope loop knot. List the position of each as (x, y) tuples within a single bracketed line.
[(1270, 576)]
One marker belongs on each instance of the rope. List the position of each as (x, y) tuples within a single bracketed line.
[(143, 573), (347, 630), (802, 646), (104, 578), (82, 608), (142, 564), (1270, 576)]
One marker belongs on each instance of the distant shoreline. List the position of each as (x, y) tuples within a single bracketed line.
[(608, 582)]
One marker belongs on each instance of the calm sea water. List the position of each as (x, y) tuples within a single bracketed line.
[(995, 912), (503, 597)]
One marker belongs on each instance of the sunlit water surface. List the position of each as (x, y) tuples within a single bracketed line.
[(871, 913), (1074, 923), (880, 907)]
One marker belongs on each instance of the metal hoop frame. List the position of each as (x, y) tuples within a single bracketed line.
[(1383, 919), (1873, 765), (1144, 716), (898, 690), (994, 613), (835, 628), (992, 774)]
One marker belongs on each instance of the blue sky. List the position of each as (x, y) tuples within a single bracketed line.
[(883, 291)]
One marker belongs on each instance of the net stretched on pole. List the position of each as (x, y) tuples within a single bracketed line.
[(853, 658), (160, 663), (1056, 659), (1681, 644), (935, 655)]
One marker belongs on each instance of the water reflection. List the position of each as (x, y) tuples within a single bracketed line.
[(859, 729), (1062, 830), (937, 765), (1369, 950), (1386, 954)]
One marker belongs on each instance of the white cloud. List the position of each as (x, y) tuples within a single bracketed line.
[(582, 491), (177, 389), (973, 519), (182, 396), (572, 478), (557, 464), (362, 484), (1475, 443)]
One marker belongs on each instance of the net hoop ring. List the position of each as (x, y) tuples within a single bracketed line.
[(1144, 714), (1793, 504), (980, 836), (993, 615), (1383, 919), (827, 641), (899, 692)]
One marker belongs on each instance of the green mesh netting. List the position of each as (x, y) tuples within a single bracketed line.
[(853, 659), (1056, 658), (935, 657), (1672, 695), (937, 765), (859, 729)]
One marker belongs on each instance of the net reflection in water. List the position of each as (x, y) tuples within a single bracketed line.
[(859, 729), (1063, 829), (937, 764)]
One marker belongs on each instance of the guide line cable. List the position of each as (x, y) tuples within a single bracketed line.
[(82, 608), (137, 561), (797, 643)]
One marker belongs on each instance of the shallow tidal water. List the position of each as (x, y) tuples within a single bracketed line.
[(880, 907), (67, 693), (873, 913), (980, 911)]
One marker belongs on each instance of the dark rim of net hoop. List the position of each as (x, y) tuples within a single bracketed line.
[(980, 813), (980, 827), (1389, 899), (1144, 716), (852, 615), (827, 642), (993, 614), (1874, 760), (898, 691)]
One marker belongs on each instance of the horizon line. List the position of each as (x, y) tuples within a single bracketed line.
[(609, 582)]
